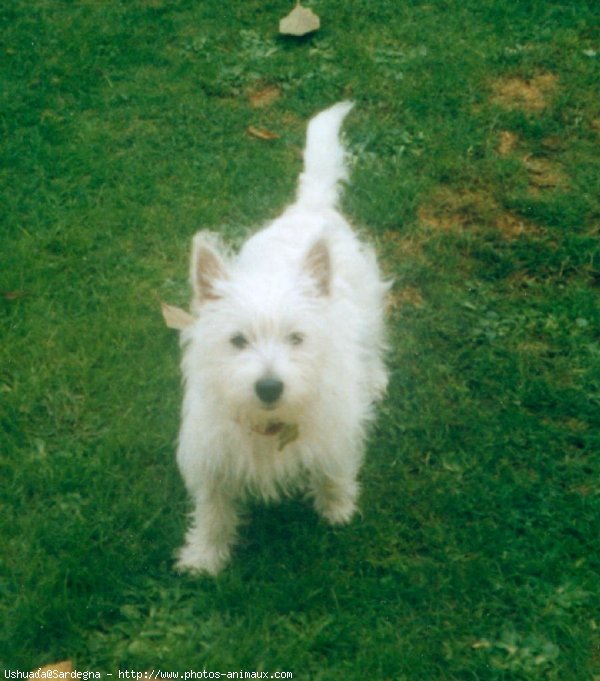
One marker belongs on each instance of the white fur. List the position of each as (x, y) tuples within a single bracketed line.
[(302, 304)]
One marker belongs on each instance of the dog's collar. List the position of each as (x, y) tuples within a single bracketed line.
[(285, 432), (272, 428)]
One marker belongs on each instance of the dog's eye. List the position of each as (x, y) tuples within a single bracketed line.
[(239, 341), (296, 338)]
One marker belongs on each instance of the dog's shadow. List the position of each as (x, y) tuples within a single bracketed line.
[(287, 537)]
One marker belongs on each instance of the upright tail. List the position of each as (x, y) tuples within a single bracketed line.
[(324, 165)]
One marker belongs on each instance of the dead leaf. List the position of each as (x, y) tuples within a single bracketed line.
[(299, 21), (261, 134), (175, 317)]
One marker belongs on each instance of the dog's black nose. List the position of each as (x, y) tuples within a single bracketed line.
[(269, 389)]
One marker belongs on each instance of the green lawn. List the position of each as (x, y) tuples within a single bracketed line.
[(474, 146)]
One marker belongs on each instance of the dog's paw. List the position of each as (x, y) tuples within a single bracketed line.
[(340, 512), (201, 560), (335, 501), (336, 509)]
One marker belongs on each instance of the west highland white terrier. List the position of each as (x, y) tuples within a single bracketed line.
[(283, 360)]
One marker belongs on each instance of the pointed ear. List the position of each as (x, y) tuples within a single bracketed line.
[(207, 267), (317, 264)]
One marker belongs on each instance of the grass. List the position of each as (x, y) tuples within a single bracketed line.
[(474, 147)]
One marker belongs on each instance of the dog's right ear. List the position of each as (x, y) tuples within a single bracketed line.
[(207, 268), (317, 264)]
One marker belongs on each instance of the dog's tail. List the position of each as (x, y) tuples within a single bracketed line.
[(324, 166)]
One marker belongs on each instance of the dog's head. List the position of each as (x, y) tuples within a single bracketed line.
[(260, 341)]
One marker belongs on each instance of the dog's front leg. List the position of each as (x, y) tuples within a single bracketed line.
[(212, 531), (335, 498)]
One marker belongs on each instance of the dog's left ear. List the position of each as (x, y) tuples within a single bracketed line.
[(317, 264), (207, 269)]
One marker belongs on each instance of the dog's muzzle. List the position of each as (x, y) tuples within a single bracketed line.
[(269, 390)]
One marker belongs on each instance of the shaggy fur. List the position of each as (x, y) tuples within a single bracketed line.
[(283, 361)]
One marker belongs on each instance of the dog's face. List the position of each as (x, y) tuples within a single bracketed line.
[(260, 341)]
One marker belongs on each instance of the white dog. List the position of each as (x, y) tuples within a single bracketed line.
[(283, 361)]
